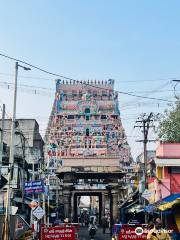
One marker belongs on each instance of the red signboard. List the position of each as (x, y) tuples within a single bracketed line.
[(129, 233), (58, 233)]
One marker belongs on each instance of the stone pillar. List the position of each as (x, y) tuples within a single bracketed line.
[(106, 201), (72, 205), (103, 204), (115, 205), (66, 202)]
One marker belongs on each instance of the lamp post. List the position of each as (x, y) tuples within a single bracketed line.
[(6, 228)]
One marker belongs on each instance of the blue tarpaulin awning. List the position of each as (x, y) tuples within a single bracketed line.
[(171, 198)]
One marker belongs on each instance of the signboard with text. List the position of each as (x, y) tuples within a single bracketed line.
[(34, 187), (132, 232), (38, 212), (58, 233), (147, 194)]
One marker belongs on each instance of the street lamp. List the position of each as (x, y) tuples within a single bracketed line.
[(6, 228)]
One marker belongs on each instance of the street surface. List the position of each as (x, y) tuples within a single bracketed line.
[(84, 234)]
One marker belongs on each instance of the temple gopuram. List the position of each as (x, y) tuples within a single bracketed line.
[(86, 145)]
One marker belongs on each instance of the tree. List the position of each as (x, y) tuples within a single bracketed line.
[(169, 127)]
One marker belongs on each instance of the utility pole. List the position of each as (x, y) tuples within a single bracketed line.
[(2, 138), (145, 122), (6, 229), (11, 160)]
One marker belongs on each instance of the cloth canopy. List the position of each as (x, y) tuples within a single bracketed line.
[(169, 202), (166, 203), (171, 198)]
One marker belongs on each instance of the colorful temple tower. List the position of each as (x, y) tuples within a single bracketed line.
[(85, 124), (85, 132)]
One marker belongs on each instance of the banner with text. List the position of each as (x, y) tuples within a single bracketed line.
[(132, 232), (58, 233), (34, 187)]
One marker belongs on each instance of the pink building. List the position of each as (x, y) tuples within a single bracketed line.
[(167, 170)]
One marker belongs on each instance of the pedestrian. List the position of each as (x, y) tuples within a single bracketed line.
[(92, 229), (104, 222), (157, 232)]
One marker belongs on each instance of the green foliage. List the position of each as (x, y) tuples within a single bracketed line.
[(169, 128)]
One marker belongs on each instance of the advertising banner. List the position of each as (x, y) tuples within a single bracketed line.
[(132, 233), (34, 187), (58, 233)]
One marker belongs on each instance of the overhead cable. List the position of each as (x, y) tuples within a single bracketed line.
[(77, 81)]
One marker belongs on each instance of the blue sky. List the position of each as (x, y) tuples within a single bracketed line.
[(137, 43)]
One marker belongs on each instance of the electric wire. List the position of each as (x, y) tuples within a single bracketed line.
[(79, 82), (52, 90), (151, 92), (120, 81)]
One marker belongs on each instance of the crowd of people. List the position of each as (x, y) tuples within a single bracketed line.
[(155, 230)]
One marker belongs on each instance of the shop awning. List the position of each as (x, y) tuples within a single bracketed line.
[(171, 198), (169, 202), (164, 204)]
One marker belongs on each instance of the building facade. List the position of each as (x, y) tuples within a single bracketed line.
[(167, 170), (28, 151)]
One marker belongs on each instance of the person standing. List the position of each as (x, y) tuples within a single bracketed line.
[(158, 233), (104, 223), (92, 229)]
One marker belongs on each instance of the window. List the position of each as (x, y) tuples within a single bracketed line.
[(87, 132), (87, 111), (103, 117), (104, 93), (94, 93), (87, 118), (174, 170), (114, 116), (80, 94), (98, 146), (70, 117)]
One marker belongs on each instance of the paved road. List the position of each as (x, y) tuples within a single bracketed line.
[(84, 235)]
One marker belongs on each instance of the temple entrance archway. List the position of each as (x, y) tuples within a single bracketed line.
[(100, 212)]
